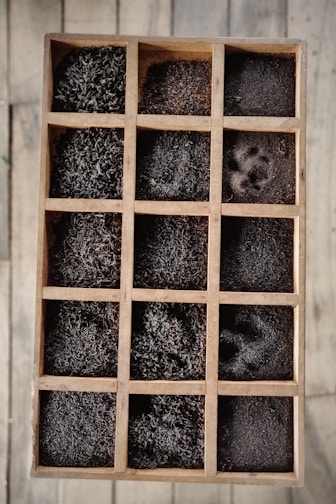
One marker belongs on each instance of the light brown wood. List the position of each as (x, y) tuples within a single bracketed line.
[(250, 123), (85, 120), (127, 245), (83, 205), (167, 387), (176, 123), (258, 388), (189, 18), (171, 207), (81, 294), (140, 52), (258, 210), (48, 382), (169, 296), (143, 492), (132, 20), (260, 18)]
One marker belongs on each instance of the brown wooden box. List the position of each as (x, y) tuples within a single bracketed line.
[(140, 53)]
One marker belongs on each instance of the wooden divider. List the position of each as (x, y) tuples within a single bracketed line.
[(211, 388)]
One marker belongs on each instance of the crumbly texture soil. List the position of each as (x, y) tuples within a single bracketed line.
[(91, 79), (85, 250), (168, 341), (166, 431), (257, 254), (170, 252), (88, 164), (81, 338), (256, 343), (178, 88), (77, 429), (255, 434), (173, 165), (259, 167), (259, 85)]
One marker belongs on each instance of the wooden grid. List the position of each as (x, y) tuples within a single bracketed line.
[(140, 50)]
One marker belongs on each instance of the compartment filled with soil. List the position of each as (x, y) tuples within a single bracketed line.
[(259, 84), (85, 250), (168, 341), (170, 252), (87, 163), (91, 79), (81, 338), (173, 165), (259, 167), (166, 431), (256, 343), (77, 429), (177, 87), (257, 254), (255, 434)]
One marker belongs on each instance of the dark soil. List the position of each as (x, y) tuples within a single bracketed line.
[(256, 343), (91, 79), (168, 341), (173, 165), (85, 250), (257, 254), (77, 429), (81, 338), (177, 88), (166, 431), (170, 252), (255, 434), (88, 163), (259, 167), (259, 85)]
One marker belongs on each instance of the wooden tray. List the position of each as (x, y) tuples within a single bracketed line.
[(140, 53)]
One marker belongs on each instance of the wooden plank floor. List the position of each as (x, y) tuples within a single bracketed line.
[(22, 24)]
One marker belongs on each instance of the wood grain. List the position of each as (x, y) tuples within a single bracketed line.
[(197, 19), (81, 16), (4, 375), (143, 492), (148, 17), (260, 18), (29, 20), (24, 232), (317, 25), (4, 136), (320, 482)]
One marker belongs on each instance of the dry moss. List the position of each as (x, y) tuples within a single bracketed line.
[(259, 85), (77, 429), (173, 165), (170, 252), (178, 88), (85, 250), (88, 164), (256, 343), (259, 167), (91, 79), (255, 434), (257, 254), (168, 341), (81, 338), (166, 431)]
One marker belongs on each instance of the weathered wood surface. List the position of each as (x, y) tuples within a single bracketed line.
[(25, 176), (316, 22), (29, 20), (308, 19), (83, 16), (4, 255)]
